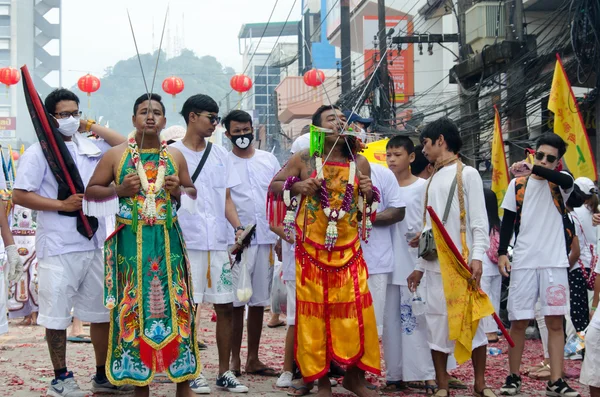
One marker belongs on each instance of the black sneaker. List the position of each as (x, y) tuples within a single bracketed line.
[(229, 382), (560, 389), (512, 386)]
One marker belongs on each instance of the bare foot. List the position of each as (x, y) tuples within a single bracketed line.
[(358, 387), (324, 393), (235, 365), (184, 390)]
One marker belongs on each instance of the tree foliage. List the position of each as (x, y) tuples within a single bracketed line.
[(123, 84)]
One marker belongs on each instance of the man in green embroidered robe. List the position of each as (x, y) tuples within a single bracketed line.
[(146, 272)]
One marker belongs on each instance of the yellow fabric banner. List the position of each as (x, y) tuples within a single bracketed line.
[(500, 177), (465, 303), (375, 152), (570, 126)]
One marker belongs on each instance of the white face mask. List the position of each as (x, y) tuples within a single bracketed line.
[(68, 127)]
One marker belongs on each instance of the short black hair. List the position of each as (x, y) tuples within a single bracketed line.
[(551, 139), (401, 141), (143, 98), (198, 103), (58, 95), (446, 127), (237, 115), (316, 118), (420, 162)]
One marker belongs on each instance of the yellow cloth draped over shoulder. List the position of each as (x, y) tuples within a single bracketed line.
[(335, 318)]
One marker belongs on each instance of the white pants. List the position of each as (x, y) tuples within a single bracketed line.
[(590, 369), (492, 286), (377, 285), (290, 286), (260, 265), (437, 318), (548, 285), (3, 297), (73, 280), (220, 290)]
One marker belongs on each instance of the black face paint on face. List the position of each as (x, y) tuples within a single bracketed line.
[(242, 141)]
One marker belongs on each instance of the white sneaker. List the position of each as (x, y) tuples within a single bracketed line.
[(285, 380), (200, 385), (65, 387)]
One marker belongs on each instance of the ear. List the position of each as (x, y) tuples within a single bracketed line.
[(440, 141), (133, 121), (411, 157)]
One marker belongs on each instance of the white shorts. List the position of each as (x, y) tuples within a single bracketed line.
[(74, 280), (3, 299), (220, 290), (260, 265), (492, 286), (549, 285), (377, 286), (590, 369), (437, 317), (290, 286)]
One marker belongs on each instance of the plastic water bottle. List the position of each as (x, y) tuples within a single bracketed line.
[(419, 307), (494, 351), (410, 234)]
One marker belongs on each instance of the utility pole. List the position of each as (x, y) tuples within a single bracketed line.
[(386, 110), (469, 102), (346, 47), (517, 113)]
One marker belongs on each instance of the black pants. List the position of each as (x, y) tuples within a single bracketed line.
[(580, 311)]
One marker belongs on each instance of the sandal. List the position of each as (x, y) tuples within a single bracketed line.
[(486, 392), (441, 393), (430, 390), (454, 383), (394, 386), (542, 373), (416, 385)]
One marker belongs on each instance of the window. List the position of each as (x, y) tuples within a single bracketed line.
[(261, 99), (260, 89), (260, 79)]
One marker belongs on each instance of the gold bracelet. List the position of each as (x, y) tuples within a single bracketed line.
[(89, 124)]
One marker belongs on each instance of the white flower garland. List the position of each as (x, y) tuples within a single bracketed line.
[(150, 189)]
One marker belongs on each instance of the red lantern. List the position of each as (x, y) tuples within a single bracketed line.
[(15, 155), (173, 85), (314, 78), (9, 76), (89, 84), (241, 83)]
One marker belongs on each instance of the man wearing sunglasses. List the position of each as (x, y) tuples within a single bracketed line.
[(70, 267), (206, 232), (534, 210)]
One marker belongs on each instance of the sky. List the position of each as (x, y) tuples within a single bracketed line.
[(96, 33)]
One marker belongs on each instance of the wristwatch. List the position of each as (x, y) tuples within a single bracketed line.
[(239, 228)]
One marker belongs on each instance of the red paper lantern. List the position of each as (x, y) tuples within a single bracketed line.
[(9, 76), (173, 85), (241, 83), (314, 78), (88, 84), (15, 155)]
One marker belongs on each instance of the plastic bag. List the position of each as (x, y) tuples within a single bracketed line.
[(244, 286), (575, 343), (278, 292)]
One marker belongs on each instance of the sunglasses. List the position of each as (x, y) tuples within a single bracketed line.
[(213, 118), (540, 156)]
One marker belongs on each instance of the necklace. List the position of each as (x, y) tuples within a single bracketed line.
[(150, 189), (335, 214)]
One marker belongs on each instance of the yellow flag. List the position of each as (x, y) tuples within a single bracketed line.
[(22, 149), (500, 177), (466, 304), (569, 125)]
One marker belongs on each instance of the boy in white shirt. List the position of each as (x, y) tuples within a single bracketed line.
[(378, 252), (70, 265), (441, 145), (206, 233), (256, 168), (534, 208)]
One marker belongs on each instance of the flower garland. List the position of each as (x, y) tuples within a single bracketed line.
[(334, 215), (291, 204), (370, 210), (150, 189)]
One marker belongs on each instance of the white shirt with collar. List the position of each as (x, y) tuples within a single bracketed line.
[(250, 196), (208, 230), (378, 252), (57, 234)]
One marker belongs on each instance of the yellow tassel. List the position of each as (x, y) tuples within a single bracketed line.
[(208, 272)]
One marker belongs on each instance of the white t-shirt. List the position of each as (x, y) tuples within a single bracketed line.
[(250, 196), (207, 230), (378, 252), (586, 233), (300, 143), (476, 219), (585, 256), (405, 257), (288, 260), (541, 239), (57, 234), (596, 318)]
